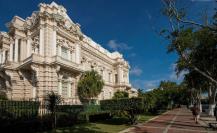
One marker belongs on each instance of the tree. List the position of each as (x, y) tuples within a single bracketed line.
[(120, 94), (140, 92), (52, 101), (165, 96), (195, 45), (168, 85), (197, 84), (129, 107), (90, 85), (179, 22)]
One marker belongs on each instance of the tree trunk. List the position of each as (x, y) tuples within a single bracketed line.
[(212, 95), (200, 105)]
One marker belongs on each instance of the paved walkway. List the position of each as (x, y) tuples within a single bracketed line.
[(175, 121), (205, 120)]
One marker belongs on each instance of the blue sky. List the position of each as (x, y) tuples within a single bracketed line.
[(129, 26)]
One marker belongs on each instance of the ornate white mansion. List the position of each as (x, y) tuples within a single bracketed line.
[(48, 52)]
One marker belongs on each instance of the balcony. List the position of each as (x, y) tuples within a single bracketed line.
[(34, 58), (66, 64), (123, 84)]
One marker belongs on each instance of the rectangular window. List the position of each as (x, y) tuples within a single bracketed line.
[(13, 53), (64, 89), (101, 73), (116, 78), (6, 56), (64, 52), (19, 49), (109, 77)]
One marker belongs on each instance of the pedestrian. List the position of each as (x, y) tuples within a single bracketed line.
[(195, 112)]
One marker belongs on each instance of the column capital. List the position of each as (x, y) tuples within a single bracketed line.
[(57, 68), (34, 67), (55, 28), (17, 37), (41, 27), (28, 37), (60, 76)]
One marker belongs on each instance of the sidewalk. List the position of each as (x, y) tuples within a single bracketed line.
[(205, 120), (175, 121)]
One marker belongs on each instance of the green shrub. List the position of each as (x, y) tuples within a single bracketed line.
[(127, 106), (120, 94), (93, 112), (72, 109), (91, 108), (3, 96), (122, 104), (94, 116), (20, 109)]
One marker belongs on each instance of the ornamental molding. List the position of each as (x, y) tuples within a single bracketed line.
[(34, 67), (57, 68), (35, 43)]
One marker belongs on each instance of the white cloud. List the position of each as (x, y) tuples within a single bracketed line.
[(174, 77), (151, 84), (147, 85), (136, 71), (114, 45)]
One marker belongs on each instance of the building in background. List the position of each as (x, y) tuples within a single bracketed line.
[(48, 52)]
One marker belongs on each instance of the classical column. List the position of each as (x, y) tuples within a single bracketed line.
[(59, 50), (60, 76), (73, 56), (11, 51), (36, 90), (34, 85), (77, 53), (3, 57), (128, 77), (60, 87), (16, 50), (109, 77), (68, 54), (69, 89), (29, 49), (120, 74), (54, 44), (41, 41)]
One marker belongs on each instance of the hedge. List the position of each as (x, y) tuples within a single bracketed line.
[(17, 109), (127, 106), (72, 109), (123, 104)]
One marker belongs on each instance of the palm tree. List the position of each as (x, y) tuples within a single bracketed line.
[(52, 100), (90, 86)]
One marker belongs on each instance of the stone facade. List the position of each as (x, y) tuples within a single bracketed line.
[(48, 51)]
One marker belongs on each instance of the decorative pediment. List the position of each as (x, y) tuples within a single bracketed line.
[(32, 21), (35, 44), (64, 42)]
